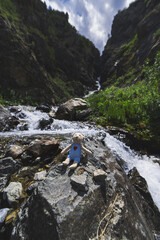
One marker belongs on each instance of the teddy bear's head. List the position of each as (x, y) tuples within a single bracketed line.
[(77, 137)]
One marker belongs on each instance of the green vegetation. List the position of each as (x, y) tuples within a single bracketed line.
[(126, 79), (127, 48), (157, 34), (10, 98), (9, 9), (135, 107)]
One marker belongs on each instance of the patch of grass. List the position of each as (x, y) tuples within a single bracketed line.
[(11, 98), (127, 48)]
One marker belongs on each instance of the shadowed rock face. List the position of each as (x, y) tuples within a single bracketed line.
[(59, 209), (43, 58), (132, 39), (7, 122)]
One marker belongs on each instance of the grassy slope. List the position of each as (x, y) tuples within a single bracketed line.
[(135, 107)]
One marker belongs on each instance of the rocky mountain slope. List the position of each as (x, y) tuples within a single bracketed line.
[(135, 36), (43, 58)]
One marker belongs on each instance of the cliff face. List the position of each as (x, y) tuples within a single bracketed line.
[(135, 36), (42, 56)]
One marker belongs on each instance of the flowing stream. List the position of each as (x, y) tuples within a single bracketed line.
[(147, 166)]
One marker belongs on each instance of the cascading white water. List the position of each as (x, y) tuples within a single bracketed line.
[(144, 164), (98, 85)]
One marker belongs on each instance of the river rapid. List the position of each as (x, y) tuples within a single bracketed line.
[(147, 166)]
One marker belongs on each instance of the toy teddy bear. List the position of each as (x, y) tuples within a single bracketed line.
[(75, 150)]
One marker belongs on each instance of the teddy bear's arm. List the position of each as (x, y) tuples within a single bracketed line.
[(66, 149), (86, 150)]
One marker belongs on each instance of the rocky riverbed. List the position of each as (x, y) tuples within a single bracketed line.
[(42, 199)]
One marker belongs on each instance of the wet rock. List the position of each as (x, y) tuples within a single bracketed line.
[(14, 151), (15, 109), (68, 109), (43, 108), (23, 127), (45, 123), (4, 115), (27, 159), (40, 175), (83, 115), (7, 167), (21, 115), (99, 175), (40, 147), (147, 203), (3, 214), (7, 121), (52, 114), (157, 236), (13, 192), (31, 188), (80, 182)]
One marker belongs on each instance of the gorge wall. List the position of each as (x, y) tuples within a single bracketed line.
[(135, 36), (43, 58)]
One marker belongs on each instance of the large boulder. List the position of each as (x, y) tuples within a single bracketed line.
[(68, 110), (7, 121), (42, 147), (66, 206)]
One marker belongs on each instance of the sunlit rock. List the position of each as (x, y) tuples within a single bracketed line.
[(13, 192), (40, 175), (68, 109), (14, 151), (99, 175), (79, 182)]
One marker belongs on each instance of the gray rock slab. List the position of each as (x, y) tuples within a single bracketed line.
[(80, 182)]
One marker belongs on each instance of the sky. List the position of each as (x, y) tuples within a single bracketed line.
[(91, 18)]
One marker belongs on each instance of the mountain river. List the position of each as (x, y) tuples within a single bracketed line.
[(146, 165)]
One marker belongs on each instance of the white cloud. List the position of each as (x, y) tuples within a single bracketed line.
[(92, 18)]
